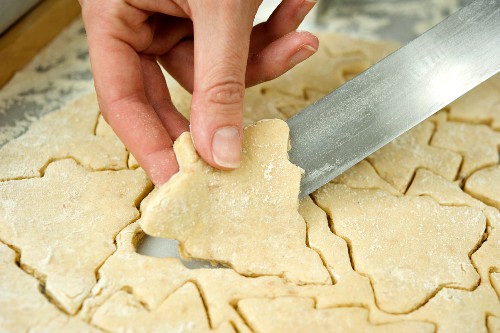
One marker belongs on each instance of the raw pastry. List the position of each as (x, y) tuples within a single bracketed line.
[(67, 133), (183, 311), (300, 315), (477, 143), (64, 224), (485, 185), (480, 106), (432, 242), (246, 218), (24, 308)]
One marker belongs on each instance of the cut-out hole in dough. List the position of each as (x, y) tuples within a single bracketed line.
[(168, 248)]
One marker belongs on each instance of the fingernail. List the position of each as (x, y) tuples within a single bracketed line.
[(226, 147), (302, 54)]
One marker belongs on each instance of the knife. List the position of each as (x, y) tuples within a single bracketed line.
[(367, 112)]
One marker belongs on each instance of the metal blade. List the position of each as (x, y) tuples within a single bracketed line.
[(375, 107)]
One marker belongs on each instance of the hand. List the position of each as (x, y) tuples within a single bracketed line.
[(210, 47)]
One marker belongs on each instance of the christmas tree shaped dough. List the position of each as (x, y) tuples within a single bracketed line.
[(65, 222), (245, 218)]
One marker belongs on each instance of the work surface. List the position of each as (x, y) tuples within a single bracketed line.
[(407, 240)]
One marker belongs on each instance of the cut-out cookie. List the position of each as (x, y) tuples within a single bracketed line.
[(408, 246), (481, 105), (183, 311), (477, 143), (363, 175), (397, 161), (151, 279), (441, 189), (455, 310), (64, 223), (485, 186), (23, 308), (298, 314), (68, 132), (325, 78), (222, 215)]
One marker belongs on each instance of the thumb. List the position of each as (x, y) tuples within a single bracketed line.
[(221, 41)]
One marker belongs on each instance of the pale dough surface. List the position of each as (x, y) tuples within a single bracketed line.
[(222, 216), (408, 240)]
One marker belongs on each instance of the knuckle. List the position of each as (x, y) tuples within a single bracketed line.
[(228, 92)]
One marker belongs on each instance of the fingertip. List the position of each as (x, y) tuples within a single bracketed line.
[(160, 165)]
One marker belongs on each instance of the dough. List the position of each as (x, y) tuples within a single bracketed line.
[(432, 242), (75, 230), (64, 224), (477, 143), (300, 315), (24, 308), (397, 161), (67, 133), (183, 311), (485, 185), (222, 216), (480, 106)]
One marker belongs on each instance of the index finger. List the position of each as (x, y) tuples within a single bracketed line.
[(119, 84)]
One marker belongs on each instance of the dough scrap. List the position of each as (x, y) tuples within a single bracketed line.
[(183, 311), (422, 233), (64, 223), (66, 133), (478, 144), (24, 308), (397, 161), (485, 185), (481, 105), (300, 315), (224, 225)]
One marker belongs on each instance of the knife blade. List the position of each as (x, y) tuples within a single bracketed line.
[(367, 112)]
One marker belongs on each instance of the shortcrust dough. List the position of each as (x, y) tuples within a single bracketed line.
[(72, 264), (246, 218)]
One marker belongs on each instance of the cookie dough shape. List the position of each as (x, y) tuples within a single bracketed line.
[(481, 105), (456, 310), (478, 144), (397, 161), (410, 247), (67, 133), (298, 314), (64, 224), (485, 186), (363, 175), (24, 308), (183, 311), (245, 218)]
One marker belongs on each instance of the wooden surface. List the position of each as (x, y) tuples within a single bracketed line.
[(20, 43)]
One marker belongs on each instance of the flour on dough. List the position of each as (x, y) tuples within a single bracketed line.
[(64, 223), (245, 218), (299, 315), (478, 144), (67, 133), (408, 246), (485, 185), (397, 161), (24, 308)]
